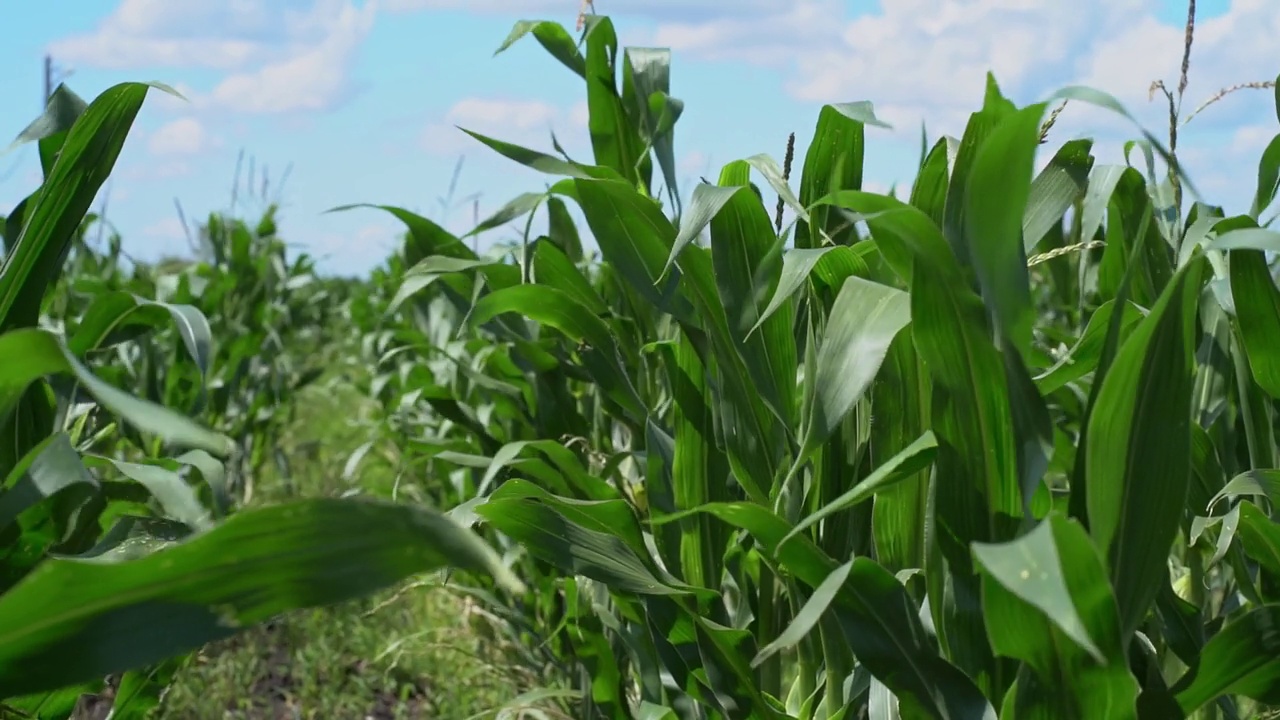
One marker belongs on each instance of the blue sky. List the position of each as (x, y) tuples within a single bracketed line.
[(360, 99)]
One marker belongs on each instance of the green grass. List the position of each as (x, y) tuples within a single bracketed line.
[(414, 652)]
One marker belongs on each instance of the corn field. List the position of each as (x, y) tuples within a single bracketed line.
[(1004, 447)]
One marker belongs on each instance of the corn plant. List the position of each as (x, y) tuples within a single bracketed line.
[(120, 546), (1004, 448)]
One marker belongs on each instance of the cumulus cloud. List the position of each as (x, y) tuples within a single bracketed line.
[(185, 136), (313, 78), (567, 10), (169, 228), (355, 252), (928, 59), (145, 33), (522, 122), (278, 56)]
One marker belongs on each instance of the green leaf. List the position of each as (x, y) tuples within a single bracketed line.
[(706, 202), (74, 620), (1092, 96), (1048, 602), (746, 270), (864, 320), (1257, 304), (809, 615), (48, 469), (1084, 356), (996, 193), (1260, 537), (1242, 659), (549, 306), (554, 38), (911, 460), (832, 163), (111, 312), (1268, 178), (1031, 569), (29, 354), (427, 271), (542, 162), (571, 547), (84, 162), (1138, 463), (60, 114), (1063, 181), (880, 621)]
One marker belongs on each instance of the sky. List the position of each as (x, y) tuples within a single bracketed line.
[(361, 101)]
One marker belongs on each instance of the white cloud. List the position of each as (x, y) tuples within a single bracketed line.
[(929, 58), (279, 56), (315, 78), (522, 122), (356, 252), (184, 136), (1252, 139), (169, 228), (143, 33), (567, 10)]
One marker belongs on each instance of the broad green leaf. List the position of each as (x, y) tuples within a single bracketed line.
[(864, 320), (551, 266), (61, 111), (1048, 602), (913, 458), (996, 192), (745, 273), (517, 207), (177, 499), (805, 620), (832, 163), (1031, 569), (1092, 96), (29, 354), (1268, 178), (1257, 304), (615, 142), (635, 238), (796, 265), (880, 621), (427, 271), (111, 313), (549, 306), (73, 620), (1242, 659), (1260, 537), (542, 162), (51, 467), (601, 556), (1260, 482), (706, 202), (84, 162), (1138, 452), (773, 174), (554, 39), (430, 239), (1084, 356), (1063, 181)]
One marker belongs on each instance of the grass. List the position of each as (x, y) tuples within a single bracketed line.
[(371, 658)]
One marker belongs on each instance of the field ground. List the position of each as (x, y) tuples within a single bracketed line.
[(408, 654)]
